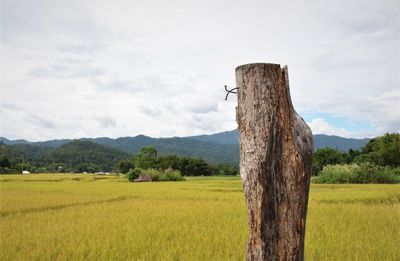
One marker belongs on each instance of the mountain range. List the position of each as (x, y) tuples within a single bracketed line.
[(215, 148)]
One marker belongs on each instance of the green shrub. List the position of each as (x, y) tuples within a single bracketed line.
[(358, 173), (170, 175), (336, 174), (164, 175), (388, 175), (133, 174)]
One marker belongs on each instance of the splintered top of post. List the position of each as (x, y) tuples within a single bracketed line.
[(250, 65)]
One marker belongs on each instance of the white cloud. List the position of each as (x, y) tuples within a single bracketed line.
[(118, 68), (320, 126)]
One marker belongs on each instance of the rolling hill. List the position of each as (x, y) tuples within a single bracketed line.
[(320, 140), (216, 148), (83, 155)]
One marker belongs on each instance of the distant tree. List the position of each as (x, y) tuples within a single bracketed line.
[(194, 167), (125, 166), (87, 167), (133, 174), (4, 164), (169, 162), (148, 152), (326, 156), (146, 158), (350, 156), (24, 166), (383, 151), (227, 170)]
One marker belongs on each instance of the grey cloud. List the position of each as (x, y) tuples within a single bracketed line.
[(203, 123), (152, 86), (170, 63), (152, 112), (83, 49), (204, 109), (368, 18), (67, 71), (106, 122), (10, 106), (48, 19), (40, 121), (118, 86)]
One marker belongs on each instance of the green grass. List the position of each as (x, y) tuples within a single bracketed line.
[(85, 217)]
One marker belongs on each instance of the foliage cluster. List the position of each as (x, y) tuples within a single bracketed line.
[(376, 162), (156, 175), (164, 175), (148, 158), (383, 151), (76, 156), (358, 173), (133, 174), (85, 156)]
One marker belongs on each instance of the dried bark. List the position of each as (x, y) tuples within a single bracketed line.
[(275, 162)]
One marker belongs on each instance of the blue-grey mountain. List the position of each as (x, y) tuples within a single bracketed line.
[(216, 148)]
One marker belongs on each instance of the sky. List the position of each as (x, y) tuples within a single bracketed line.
[(72, 69)]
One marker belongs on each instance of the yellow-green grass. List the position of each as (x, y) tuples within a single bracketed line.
[(86, 217)]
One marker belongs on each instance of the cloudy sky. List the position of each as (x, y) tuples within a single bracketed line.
[(73, 69)]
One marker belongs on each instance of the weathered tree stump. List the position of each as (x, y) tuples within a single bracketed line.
[(275, 162)]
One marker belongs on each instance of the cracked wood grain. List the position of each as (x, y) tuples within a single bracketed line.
[(275, 162)]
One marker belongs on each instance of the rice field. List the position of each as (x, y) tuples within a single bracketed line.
[(86, 217)]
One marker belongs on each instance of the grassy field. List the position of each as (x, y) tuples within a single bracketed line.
[(82, 217)]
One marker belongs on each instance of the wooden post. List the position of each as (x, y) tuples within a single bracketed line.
[(275, 162)]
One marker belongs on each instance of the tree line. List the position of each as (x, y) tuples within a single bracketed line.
[(377, 162), (75, 156), (148, 158), (379, 155), (85, 156)]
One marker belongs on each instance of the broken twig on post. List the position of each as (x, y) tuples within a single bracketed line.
[(229, 91)]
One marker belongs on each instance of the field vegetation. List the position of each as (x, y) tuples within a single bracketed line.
[(358, 173), (87, 217), (377, 162), (154, 174)]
